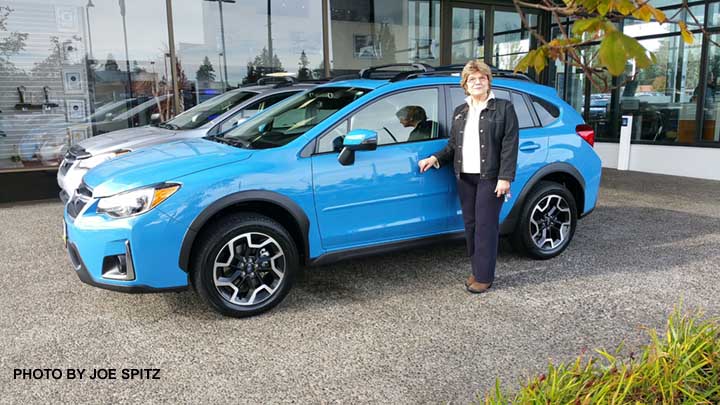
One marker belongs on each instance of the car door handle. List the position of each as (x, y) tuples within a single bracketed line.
[(529, 146)]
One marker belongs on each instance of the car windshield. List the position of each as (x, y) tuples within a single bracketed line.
[(292, 117), (106, 111), (149, 104), (209, 110)]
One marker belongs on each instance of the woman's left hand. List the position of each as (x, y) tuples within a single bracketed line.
[(502, 188)]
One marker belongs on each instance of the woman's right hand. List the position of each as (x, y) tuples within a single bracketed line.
[(426, 164)]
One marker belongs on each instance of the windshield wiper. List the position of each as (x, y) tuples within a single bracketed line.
[(168, 126), (229, 141)]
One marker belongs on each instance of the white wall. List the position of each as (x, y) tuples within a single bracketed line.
[(608, 153), (702, 163)]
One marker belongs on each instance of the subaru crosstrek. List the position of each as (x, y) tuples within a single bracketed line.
[(325, 175)]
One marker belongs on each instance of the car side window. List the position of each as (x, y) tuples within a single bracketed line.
[(457, 97), (546, 111), (522, 111), (332, 141), (253, 109), (409, 116)]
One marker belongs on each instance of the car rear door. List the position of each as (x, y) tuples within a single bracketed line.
[(532, 153)]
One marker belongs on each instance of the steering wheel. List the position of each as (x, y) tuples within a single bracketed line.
[(391, 135)]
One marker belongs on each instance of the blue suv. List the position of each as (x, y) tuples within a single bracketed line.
[(327, 175)]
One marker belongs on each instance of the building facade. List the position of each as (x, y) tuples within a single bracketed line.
[(72, 69)]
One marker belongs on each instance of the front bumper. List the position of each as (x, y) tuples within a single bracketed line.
[(85, 277), (154, 237)]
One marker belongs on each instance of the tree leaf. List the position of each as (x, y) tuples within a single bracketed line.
[(653, 58), (625, 7), (590, 5), (686, 35), (612, 54), (588, 25), (525, 62), (540, 61), (633, 50), (658, 14), (603, 7), (643, 13)]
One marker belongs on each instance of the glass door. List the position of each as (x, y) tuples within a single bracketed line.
[(467, 33), (511, 40)]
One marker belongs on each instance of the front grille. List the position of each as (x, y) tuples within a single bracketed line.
[(82, 196), (84, 191), (65, 166)]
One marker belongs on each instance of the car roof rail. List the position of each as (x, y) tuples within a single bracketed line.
[(378, 72), (350, 76), (274, 80), (456, 69)]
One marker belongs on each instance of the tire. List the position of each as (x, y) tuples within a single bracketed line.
[(549, 207), (245, 265)]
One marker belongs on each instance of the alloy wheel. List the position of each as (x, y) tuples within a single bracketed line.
[(249, 269), (550, 222)]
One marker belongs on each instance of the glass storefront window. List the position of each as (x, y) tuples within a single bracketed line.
[(556, 69), (663, 97), (371, 33), (223, 44), (714, 14), (639, 28), (511, 41), (711, 116), (72, 69)]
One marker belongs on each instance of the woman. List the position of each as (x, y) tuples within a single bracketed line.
[(483, 147)]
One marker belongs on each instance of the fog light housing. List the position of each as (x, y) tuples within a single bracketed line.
[(119, 267)]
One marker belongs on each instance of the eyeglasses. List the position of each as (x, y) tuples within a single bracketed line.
[(472, 80)]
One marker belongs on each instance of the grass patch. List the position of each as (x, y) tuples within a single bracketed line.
[(681, 367)]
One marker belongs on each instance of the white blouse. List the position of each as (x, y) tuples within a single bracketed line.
[(471, 135)]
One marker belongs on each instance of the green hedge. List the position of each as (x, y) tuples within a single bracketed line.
[(681, 368)]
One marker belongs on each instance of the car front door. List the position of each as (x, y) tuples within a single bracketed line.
[(382, 197)]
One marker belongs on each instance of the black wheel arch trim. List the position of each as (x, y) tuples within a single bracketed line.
[(243, 197), (508, 225)]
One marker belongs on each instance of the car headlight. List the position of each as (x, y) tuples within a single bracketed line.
[(93, 161), (136, 202)]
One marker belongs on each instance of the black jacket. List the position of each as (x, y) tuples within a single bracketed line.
[(498, 140)]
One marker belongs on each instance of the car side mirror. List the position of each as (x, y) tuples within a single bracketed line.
[(108, 116), (155, 119), (356, 140), (360, 139)]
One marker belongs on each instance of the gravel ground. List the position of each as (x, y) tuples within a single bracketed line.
[(397, 328)]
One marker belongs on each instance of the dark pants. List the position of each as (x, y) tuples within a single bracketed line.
[(481, 214)]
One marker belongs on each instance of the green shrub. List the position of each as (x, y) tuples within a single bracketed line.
[(681, 368)]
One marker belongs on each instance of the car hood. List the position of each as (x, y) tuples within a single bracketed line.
[(130, 138), (159, 164)]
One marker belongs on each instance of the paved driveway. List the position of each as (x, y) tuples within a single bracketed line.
[(391, 329)]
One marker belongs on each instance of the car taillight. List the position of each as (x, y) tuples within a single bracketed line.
[(587, 133)]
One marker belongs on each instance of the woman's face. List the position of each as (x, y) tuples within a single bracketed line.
[(477, 84)]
